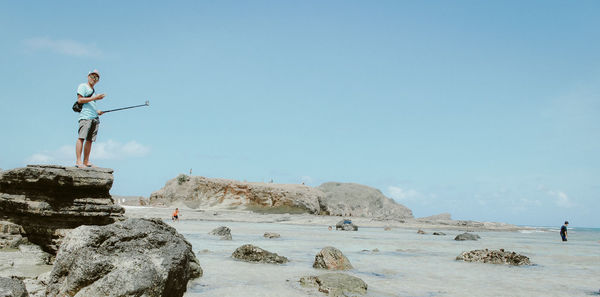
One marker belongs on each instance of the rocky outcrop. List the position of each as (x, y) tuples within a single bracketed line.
[(250, 253), (466, 236), (494, 257), (332, 259), (12, 287), (336, 284), (135, 257), (349, 199), (346, 225), (223, 232), (337, 199), (47, 200), (439, 217), (197, 191)]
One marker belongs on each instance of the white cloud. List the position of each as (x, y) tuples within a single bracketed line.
[(561, 198), (110, 150), (401, 194), (65, 47)]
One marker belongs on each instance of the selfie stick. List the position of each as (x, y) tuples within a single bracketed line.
[(145, 104)]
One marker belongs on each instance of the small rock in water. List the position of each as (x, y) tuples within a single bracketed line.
[(332, 259), (271, 235), (466, 236), (439, 233), (250, 253), (223, 232), (387, 228), (421, 232), (494, 257), (346, 225), (336, 284)]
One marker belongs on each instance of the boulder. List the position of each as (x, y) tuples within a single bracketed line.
[(202, 192), (466, 236), (250, 253), (12, 287), (346, 225), (47, 200), (349, 199), (336, 284), (332, 259), (135, 257), (223, 232), (271, 235), (439, 233), (494, 257), (11, 235)]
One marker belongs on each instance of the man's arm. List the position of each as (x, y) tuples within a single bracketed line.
[(83, 100)]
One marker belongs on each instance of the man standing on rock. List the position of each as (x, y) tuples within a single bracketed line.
[(88, 119), (563, 231)]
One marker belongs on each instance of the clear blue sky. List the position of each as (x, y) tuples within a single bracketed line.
[(489, 110)]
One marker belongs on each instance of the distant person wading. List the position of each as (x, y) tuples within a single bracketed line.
[(89, 120), (563, 231)]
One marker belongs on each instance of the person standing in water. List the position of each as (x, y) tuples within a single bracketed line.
[(563, 231), (175, 216)]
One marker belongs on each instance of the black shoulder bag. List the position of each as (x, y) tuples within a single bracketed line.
[(78, 106)]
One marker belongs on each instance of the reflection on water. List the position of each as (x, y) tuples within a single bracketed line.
[(406, 264)]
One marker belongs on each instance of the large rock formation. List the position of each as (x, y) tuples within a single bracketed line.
[(349, 199), (197, 191), (338, 199), (135, 257), (46, 200)]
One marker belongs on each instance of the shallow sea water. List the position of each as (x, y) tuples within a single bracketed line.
[(407, 263)]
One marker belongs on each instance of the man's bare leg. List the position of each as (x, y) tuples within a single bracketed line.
[(78, 149), (87, 148)]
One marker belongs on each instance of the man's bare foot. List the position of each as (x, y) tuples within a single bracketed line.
[(79, 165), (90, 165)]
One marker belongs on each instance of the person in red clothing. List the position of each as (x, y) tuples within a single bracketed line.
[(175, 216)]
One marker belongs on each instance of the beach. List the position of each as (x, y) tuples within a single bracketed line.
[(398, 262)]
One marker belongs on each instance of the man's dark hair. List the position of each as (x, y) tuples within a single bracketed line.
[(566, 222)]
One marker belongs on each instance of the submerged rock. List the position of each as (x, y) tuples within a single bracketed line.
[(12, 287), (271, 235), (494, 257), (336, 284), (346, 225), (250, 253), (135, 257), (439, 233), (332, 259), (223, 232), (46, 200), (466, 236)]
